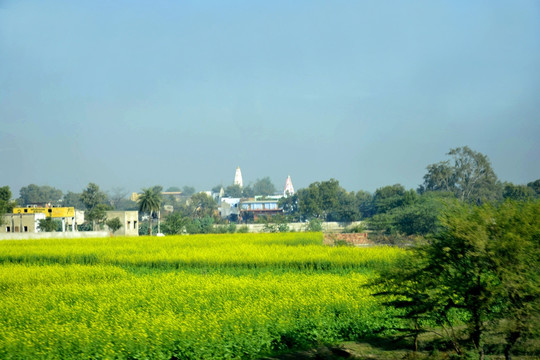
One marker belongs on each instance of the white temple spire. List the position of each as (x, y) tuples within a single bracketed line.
[(289, 189), (238, 178)]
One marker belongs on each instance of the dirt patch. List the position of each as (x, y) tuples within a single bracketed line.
[(355, 239)]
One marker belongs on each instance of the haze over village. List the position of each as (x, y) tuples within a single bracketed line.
[(272, 180)]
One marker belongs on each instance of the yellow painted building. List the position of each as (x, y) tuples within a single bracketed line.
[(55, 212)]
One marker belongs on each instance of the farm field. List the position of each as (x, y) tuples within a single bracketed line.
[(185, 297)]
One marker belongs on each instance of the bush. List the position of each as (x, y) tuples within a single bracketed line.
[(314, 225), (242, 229)]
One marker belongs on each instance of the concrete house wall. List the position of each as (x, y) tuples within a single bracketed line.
[(129, 220)]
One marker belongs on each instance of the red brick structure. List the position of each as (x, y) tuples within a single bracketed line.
[(356, 239)]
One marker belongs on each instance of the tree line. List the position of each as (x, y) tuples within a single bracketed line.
[(466, 175)]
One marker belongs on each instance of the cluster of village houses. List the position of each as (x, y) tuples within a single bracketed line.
[(26, 219)]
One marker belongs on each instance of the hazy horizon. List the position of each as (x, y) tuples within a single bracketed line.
[(135, 94)]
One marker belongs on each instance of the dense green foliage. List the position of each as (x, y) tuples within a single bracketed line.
[(35, 194), (113, 224), (483, 265), (49, 224), (189, 297), (6, 205)]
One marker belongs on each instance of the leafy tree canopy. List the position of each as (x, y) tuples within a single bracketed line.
[(518, 192), (72, 199), (264, 187), (34, 194), (113, 224), (201, 205), (234, 191), (6, 205), (48, 224), (468, 174), (482, 264), (188, 190), (92, 196)]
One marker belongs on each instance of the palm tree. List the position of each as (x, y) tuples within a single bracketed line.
[(149, 201)]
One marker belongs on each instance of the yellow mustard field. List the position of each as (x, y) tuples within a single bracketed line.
[(184, 297)]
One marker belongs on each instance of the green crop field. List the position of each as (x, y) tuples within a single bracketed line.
[(185, 297)]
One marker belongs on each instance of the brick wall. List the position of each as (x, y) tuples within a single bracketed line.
[(357, 239)]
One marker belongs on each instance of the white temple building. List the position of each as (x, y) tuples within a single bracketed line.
[(238, 178), (289, 189)]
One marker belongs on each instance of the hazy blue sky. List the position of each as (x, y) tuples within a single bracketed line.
[(138, 93)]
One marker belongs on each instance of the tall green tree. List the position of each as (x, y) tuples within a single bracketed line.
[(6, 205), (535, 185), (482, 263), (468, 174), (72, 199), (390, 197), (149, 202), (234, 191), (116, 197), (34, 194), (96, 205), (48, 224), (264, 187), (201, 205), (321, 200), (188, 190), (518, 192)]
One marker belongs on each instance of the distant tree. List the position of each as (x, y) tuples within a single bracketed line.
[(98, 215), (174, 224), (390, 197), (518, 192), (201, 205), (188, 190), (93, 196), (149, 202), (48, 224), (203, 225), (113, 224), (95, 202), (289, 205), (364, 201), (413, 214), (248, 192), (72, 199), (34, 194), (127, 205), (347, 208), (234, 191), (116, 196), (320, 200), (6, 205), (216, 189), (173, 189), (469, 176), (535, 185), (264, 187)]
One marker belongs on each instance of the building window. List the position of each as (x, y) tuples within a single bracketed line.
[(270, 206), (135, 224), (26, 229), (128, 224), (8, 229)]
